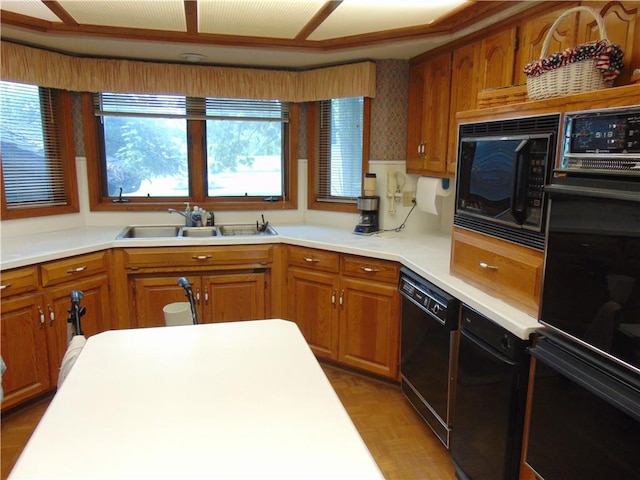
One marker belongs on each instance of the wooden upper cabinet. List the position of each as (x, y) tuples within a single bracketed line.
[(497, 58), (533, 33), (429, 128), (622, 22), (464, 92)]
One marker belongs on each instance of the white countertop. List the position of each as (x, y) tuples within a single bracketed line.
[(227, 400), (426, 254)]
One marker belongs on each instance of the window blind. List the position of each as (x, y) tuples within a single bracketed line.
[(32, 165), (340, 142), (177, 106)]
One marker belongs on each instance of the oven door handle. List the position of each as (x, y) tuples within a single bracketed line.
[(579, 191), (487, 349), (609, 388)]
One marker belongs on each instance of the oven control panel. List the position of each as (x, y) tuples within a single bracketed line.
[(602, 142)]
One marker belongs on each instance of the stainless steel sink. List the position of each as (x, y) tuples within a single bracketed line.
[(198, 232), (244, 230), (149, 231), (171, 231)]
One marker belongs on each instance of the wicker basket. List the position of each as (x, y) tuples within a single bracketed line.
[(577, 77)]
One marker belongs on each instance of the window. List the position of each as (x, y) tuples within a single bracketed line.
[(36, 148), (338, 152), (215, 152)]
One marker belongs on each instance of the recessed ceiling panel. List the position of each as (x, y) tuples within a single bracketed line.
[(30, 8), (256, 18), (157, 15), (359, 17)]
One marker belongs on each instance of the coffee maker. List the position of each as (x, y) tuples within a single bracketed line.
[(368, 221)]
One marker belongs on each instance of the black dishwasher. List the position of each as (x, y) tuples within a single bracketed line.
[(429, 328), (490, 398)]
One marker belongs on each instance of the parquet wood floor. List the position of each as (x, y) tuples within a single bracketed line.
[(402, 445)]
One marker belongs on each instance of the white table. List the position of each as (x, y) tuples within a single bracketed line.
[(231, 400)]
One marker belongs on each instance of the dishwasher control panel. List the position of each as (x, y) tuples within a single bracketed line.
[(429, 298)]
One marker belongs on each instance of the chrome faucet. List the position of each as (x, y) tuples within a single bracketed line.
[(188, 221)]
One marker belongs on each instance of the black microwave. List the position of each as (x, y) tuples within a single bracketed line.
[(502, 168)]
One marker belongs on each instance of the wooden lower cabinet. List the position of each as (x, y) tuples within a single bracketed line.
[(220, 297), (313, 298), (24, 349), (96, 301), (229, 283), (347, 307), (370, 326), (35, 304)]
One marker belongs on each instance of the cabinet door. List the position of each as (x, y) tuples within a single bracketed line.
[(152, 294), (464, 93), (414, 119), (96, 319), (370, 326), (497, 57), (230, 297), (533, 32), (622, 22), (313, 298), (429, 156), (24, 349), (436, 113)]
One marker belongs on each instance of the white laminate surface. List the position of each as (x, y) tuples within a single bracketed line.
[(426, 254), (230, 400)]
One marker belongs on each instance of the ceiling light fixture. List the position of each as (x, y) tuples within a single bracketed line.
[(192, 57)]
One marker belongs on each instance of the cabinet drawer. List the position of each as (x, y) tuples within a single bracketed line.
[(508, 271), (370, 268), (20, 280), (314, 258), (197, 257), (71, 268)]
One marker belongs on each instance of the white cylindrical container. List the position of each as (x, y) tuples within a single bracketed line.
[(369, 184), (178, 313)]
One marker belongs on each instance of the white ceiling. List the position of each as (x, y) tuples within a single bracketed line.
[(269, 33)]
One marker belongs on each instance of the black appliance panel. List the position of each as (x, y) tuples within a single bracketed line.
[(488, 416), (591, 287), (502, 169), (429, 323), (585, 419)]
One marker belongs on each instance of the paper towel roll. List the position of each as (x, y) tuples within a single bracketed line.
[(427, 190)]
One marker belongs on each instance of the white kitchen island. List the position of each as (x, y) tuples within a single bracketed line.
[(230, 400)]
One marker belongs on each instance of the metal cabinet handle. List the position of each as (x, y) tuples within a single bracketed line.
[(77, 269), (6, 285), (206, 296), (487, 266), (41, 314), (201, 257), (52, 315), (333, 297), (198, 295), (342, 299), (310, 260), (369, 269)]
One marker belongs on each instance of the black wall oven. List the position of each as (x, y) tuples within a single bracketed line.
[(585, 402), (502, 169)]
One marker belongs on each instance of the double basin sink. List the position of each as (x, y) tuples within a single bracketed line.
[(172, 231)]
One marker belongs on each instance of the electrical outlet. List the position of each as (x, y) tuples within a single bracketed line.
[(408, 197)]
